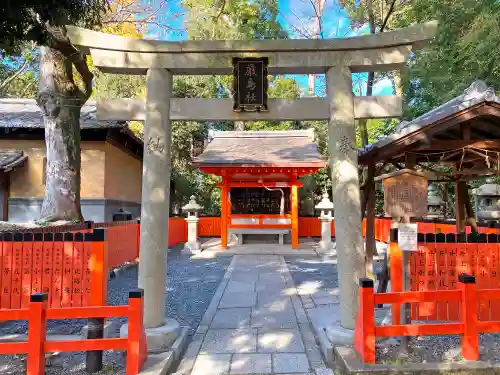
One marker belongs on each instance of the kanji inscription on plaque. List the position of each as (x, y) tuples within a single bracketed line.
[(250, 84), (405, 194)]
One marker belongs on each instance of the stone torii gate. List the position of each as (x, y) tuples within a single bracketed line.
[(160, 60)]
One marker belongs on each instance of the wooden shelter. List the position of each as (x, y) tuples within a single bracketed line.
[(260, 173), (463, 135)]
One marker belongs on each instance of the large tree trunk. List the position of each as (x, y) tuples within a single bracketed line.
[(60, 100)]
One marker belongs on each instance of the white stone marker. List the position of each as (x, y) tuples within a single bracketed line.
[(326, 208), (192, 219), (161, 332), (346, 195)]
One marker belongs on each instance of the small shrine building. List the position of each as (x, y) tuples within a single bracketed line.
[(260, 173)]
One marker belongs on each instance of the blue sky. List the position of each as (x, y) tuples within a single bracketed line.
[(293, 14)]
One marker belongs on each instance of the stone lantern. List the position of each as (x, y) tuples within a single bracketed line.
[(326, 217), (487, 199), (192, 219), (435, 203)]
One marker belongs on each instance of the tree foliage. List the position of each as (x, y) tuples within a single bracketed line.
[(60, 97), (19, 74), (24, 20), (232, 19), (465, 49), (225, 20)]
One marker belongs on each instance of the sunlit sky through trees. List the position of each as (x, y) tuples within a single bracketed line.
[(297, 17)]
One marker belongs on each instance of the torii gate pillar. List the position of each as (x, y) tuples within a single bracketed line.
[(346, 198), (160, 331)]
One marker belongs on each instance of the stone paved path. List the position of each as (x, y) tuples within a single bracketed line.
[(255, 324)]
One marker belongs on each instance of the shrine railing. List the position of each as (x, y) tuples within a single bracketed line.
[(38, 311), (468, 324), (383, 227), (260, 221)]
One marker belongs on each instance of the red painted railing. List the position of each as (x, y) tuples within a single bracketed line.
[(309, 227), (37, 313), (177, 231), (383, 227), (436, 265), (71, 267), (209, 227), (468, 325), (121, 241)]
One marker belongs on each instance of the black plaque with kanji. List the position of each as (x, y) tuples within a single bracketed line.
[(250, 84)]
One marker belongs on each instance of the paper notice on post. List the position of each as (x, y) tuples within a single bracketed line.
[(407, 237)]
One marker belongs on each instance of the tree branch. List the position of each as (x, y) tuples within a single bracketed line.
[(389, 13), (6, 82), (28, 86), (217, 17), (318, 10), (371, 16), (59, 41)]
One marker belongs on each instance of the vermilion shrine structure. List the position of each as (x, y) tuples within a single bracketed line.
[(160, 60), (268, 161)]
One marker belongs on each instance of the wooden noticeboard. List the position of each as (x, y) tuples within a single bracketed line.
[(250, 84), (405, 194)]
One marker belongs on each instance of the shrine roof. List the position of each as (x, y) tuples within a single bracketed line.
[(261, 148), (11, 159), (25, 113), (478, 106)]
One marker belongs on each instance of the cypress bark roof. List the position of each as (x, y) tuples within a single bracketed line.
[(22, 118), (25, 113), (232, 148), (11, 159), (478, 105)]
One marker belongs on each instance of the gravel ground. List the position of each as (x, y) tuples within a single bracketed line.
[(312, 270), (191, 285), (426, 349), (307, 270)]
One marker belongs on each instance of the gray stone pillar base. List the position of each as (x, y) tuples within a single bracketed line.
[(338, 335), (327, 247), (159, 339), (192, 246)]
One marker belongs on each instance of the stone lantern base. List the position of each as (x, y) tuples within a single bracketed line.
[(192, 244), (326, 245)]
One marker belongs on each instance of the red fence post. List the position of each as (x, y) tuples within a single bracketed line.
[(396, 273), (37, 327), (138, 226), (470, 336), (98, 267), (365, 325), (137, 346)]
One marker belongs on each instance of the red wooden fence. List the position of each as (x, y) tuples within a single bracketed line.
[(308, 227), (468, 297), (383, 227), (177, 231), (71, 267), (209, 227), (441, 258), (37, 313), (121, 241)]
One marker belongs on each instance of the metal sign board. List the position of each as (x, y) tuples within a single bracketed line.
[(250, 84)]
